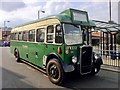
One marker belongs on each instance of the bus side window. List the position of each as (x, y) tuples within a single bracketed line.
[(16, 36), (32, 35), (20, 36), (40, 35), (58, 35), (25, 36), (50, 34)]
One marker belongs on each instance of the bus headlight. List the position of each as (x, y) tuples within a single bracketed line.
[(96, 56), (74, 59)]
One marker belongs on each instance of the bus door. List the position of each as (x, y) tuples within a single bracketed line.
[(25, 46), (40, 46), (49, 47), (54, 39), (32, 46)]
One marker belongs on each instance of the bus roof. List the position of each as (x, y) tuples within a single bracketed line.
[(65, 16)]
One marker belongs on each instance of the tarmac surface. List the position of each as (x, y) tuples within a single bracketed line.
[(20, 75)]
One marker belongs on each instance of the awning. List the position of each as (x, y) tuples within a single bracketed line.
[(106, 26)]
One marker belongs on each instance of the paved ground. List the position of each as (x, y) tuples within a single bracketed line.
[(20, 75)]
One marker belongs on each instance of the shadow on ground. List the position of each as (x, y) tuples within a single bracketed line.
[(13, 80), (74, 81)]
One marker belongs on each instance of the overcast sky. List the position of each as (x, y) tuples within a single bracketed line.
[(22, 11)]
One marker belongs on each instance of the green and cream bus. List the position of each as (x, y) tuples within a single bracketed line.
[(57, 44)]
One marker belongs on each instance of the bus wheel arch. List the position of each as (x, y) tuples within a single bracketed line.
[(52, 56)]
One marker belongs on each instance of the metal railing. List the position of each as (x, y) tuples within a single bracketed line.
[(109, 57)]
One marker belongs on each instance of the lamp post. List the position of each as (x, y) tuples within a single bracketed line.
[(5, 24), (39, 13)]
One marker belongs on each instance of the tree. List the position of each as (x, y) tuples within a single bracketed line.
[(118, 38)]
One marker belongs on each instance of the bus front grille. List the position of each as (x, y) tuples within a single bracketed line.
[(86, 59)]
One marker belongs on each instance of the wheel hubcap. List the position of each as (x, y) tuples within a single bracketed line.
[(54, 72)]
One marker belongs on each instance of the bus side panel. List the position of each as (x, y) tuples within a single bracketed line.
[(54, 49), (32, 52), (40, 52), (24, 50)]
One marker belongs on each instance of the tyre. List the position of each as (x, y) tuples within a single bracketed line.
[(55, 72), (95, 70), (17, 55)]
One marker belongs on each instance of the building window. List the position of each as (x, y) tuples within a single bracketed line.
[(40, 36)]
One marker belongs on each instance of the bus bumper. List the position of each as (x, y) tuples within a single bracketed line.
[(68, 68)]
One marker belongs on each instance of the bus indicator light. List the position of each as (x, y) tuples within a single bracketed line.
[(59, 50)]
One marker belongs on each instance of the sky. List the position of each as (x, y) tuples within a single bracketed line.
[(23, 11)]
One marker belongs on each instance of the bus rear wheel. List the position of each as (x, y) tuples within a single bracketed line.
[(55, 72), (17, 55)]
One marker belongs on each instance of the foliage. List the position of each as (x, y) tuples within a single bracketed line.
[(118, 38)]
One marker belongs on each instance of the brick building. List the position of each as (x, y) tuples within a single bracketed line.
[(5, 35)]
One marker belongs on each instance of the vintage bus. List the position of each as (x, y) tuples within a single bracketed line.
[(57, 44)]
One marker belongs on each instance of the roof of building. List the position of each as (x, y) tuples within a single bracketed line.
[(106, 26)]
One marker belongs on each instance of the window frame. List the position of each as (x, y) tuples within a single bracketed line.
[(43, 30), (50, 34), (27, 35), (33, 30)]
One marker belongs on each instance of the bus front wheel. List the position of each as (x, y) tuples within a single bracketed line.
[(55, 72), (95, 70), (17, 55)]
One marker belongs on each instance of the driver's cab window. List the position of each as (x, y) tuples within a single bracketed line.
[(84, 33), (58, 34)]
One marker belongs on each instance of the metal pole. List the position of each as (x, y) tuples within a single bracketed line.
[(103, 43), (111, 43), (38, 14), (115, 43), (110, 8), (107, 43), (4, 25)]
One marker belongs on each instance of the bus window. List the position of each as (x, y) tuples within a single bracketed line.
[(16, 36), (20, 36), (32, 35), (50, 34), (25, 36), (40, 35), (58, 34)]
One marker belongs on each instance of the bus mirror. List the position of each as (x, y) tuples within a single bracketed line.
[(58, 28)]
